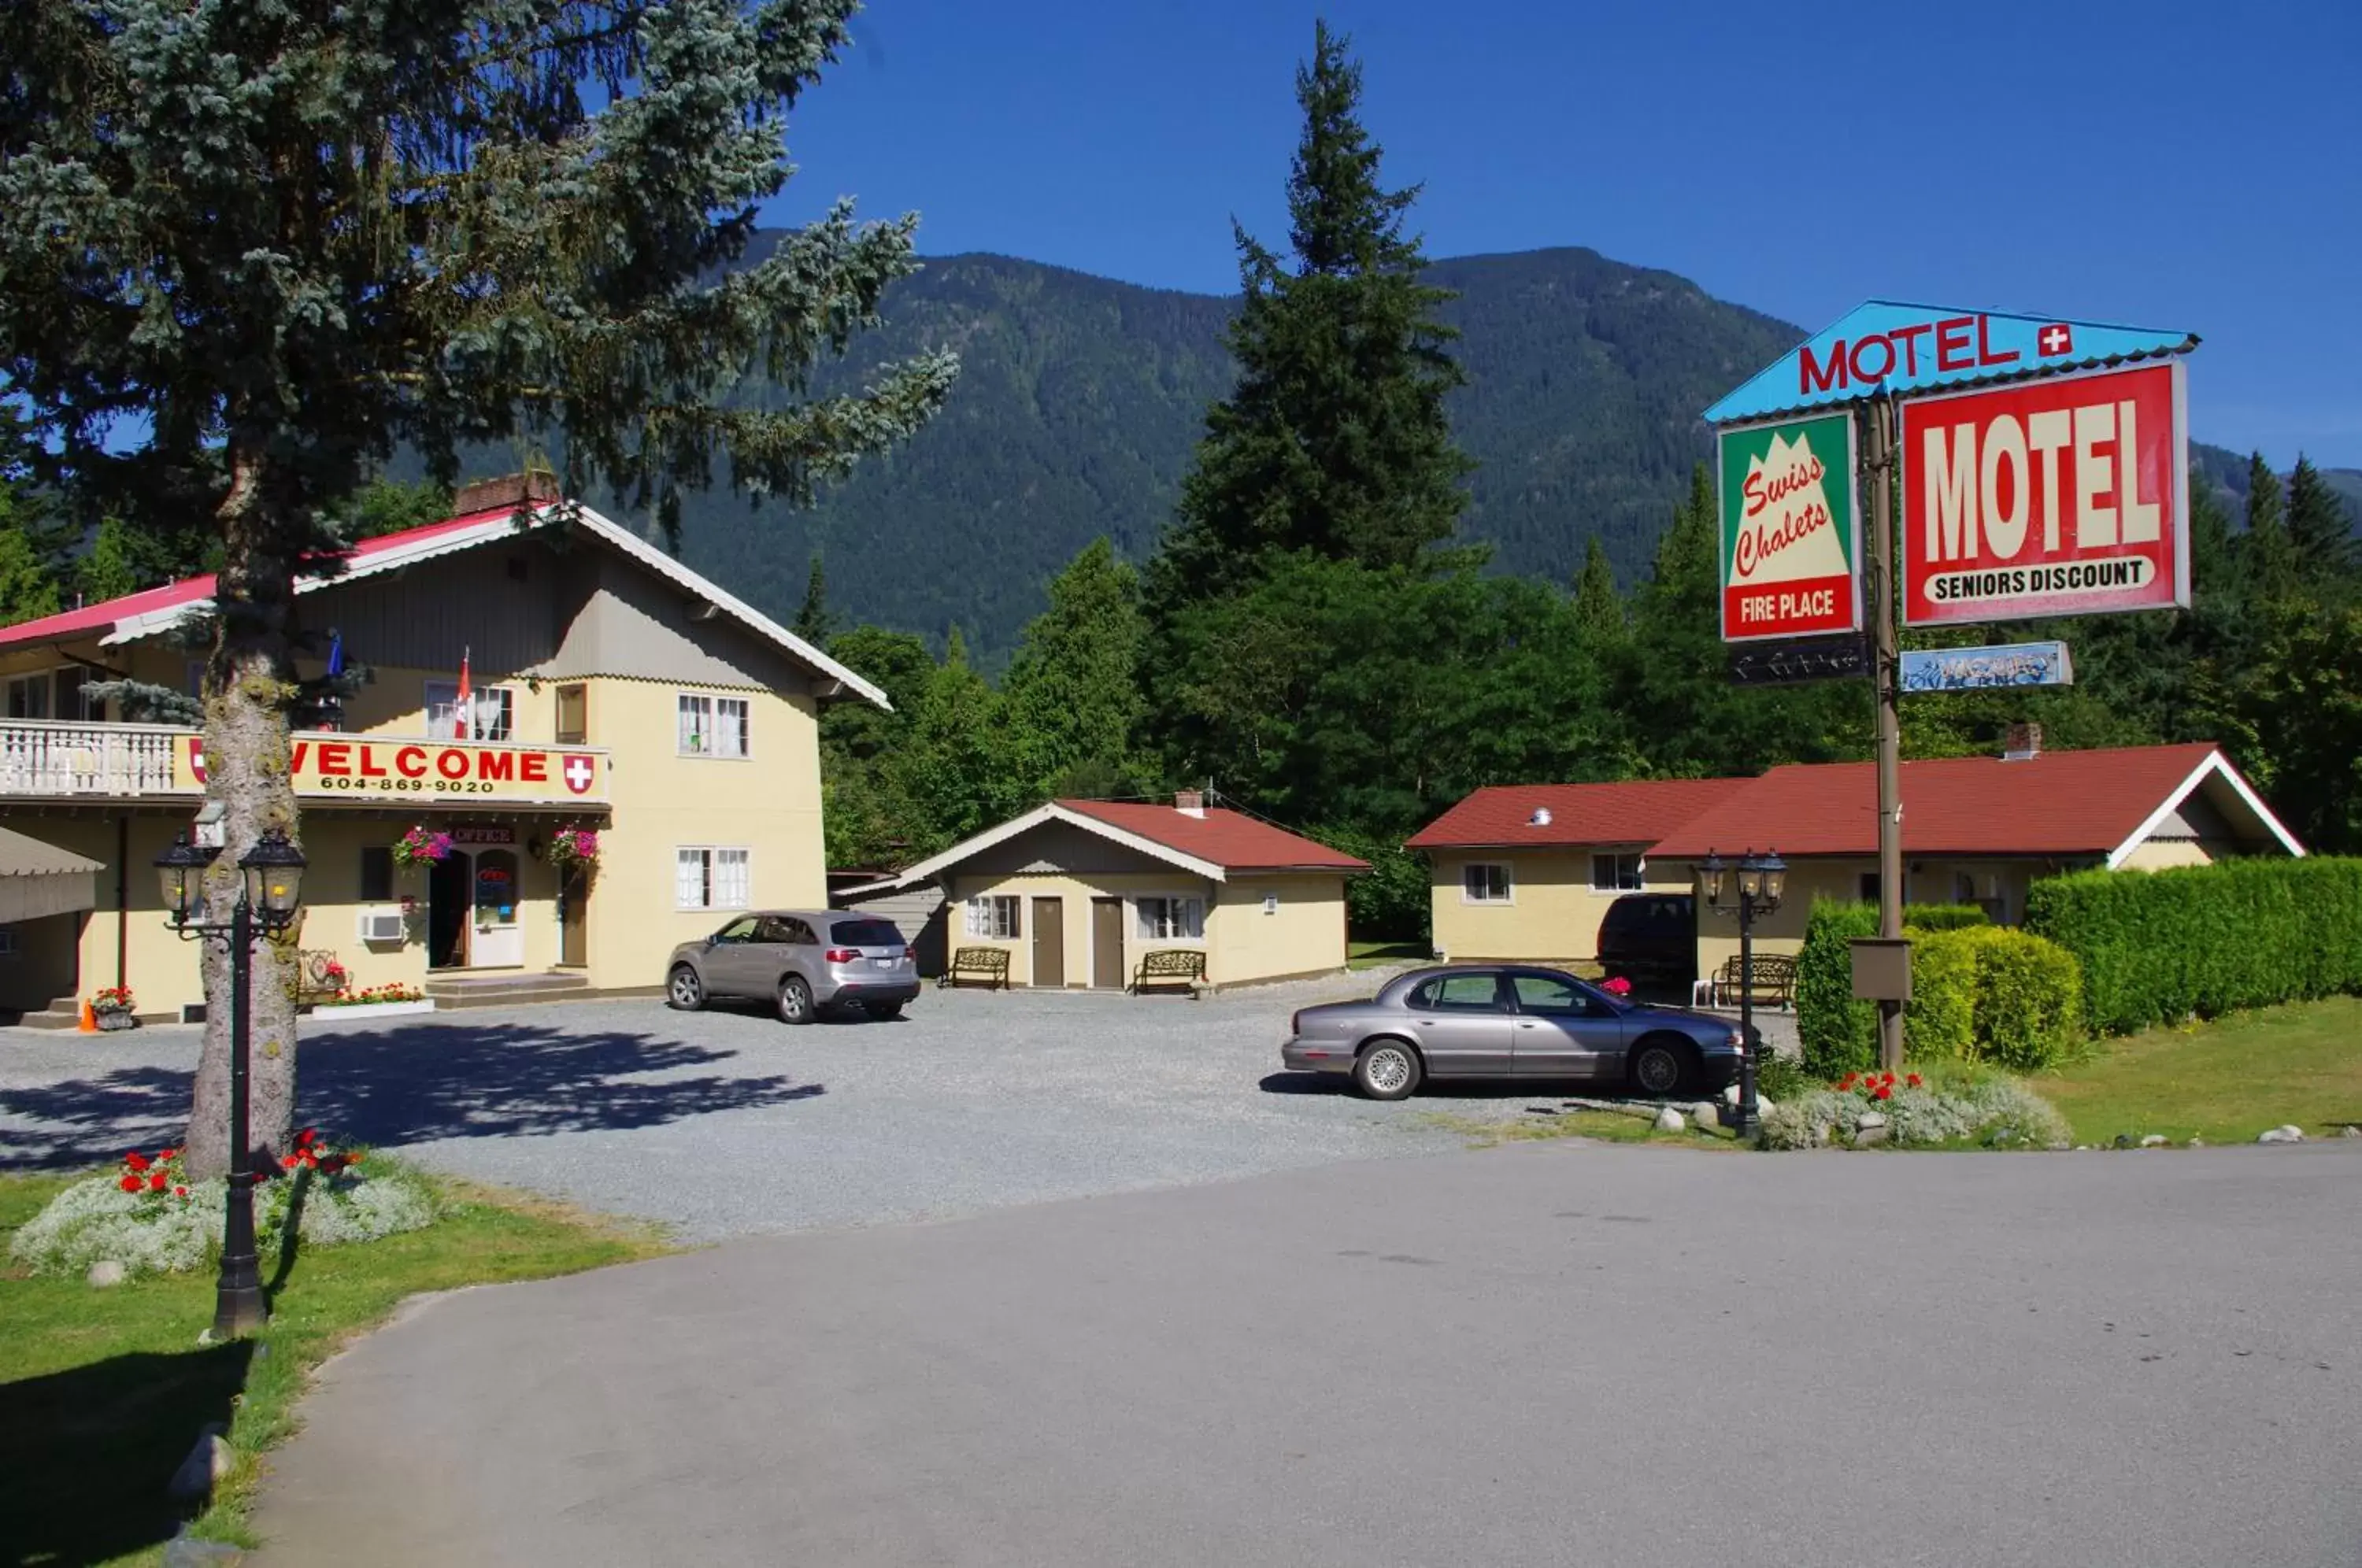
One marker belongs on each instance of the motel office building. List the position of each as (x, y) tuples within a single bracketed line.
[(611, 688)]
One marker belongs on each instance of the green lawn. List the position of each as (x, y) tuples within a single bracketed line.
[(105, 1390), (1607, 1126), (1370, 955), (2224, 1081)]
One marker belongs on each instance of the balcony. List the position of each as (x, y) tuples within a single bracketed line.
[(95, 762)]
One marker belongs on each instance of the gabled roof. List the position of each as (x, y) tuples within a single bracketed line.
[(155, 610), (1212, 846), (1502, 816), (2058, 803)]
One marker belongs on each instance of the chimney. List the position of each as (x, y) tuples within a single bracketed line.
[(2021, 743), (1189, 802), (509, 489)]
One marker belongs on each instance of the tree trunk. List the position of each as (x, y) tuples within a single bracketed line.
[(249, 686)]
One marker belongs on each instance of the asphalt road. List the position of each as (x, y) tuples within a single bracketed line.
[(1535, 1354)]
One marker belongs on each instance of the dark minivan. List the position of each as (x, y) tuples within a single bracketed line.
[(1650, 939)]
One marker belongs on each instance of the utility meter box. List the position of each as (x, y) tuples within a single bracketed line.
[(1882, 969)]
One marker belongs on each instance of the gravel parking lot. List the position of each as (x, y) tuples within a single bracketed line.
[(725, 1123)]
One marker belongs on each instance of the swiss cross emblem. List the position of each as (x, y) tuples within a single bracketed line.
[(2056, 339), (197, 760), (580, 772)]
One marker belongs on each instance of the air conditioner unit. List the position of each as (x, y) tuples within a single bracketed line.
[(383, 925)]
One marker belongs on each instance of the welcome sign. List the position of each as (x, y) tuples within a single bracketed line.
[(1791, 533)]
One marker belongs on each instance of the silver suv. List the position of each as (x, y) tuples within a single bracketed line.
[(799, 960)]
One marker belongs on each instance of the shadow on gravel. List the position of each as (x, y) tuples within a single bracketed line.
[(413, 1085)]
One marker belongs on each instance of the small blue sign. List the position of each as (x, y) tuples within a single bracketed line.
[(1915, 348), (1984, 670)]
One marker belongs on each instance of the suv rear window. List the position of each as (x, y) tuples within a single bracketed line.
[(866, 933)]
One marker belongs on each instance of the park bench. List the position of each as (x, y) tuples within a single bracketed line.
[(1171, 966), (989, 964), (1775, 981)]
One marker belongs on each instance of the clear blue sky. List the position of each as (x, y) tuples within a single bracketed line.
[(2165, 164)]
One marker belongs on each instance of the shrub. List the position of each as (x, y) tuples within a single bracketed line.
[(1994, 1110), (1979, 992), (1942, 917), (1940, 1021), (2157, 947), (1837, 1034), (1393, 902), (2029, 998)]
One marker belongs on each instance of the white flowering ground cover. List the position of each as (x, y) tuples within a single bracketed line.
[(1994, 1110)]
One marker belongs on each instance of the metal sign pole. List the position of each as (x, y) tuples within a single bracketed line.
[(1878, 414)]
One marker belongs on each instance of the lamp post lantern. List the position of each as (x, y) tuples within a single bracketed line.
[(270, 891), (1759, 883)]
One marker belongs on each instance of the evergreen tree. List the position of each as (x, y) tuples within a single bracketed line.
[(813, 623), (1074, 696), (868, 817), (383, 506), (1334, 442), (1599, 609), (266, 246), (2320, 526), (2267, 565), (958, 772), (29, 582)]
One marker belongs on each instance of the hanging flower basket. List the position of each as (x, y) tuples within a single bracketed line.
[(420, 846), (571, 847)]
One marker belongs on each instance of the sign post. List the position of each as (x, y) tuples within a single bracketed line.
[(1887, 672)]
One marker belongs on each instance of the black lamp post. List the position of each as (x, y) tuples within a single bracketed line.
[(1760, 884), (268, 897)]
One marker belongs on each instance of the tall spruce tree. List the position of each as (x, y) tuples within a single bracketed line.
[(813, 623), (2319, 527), (2267, 564), (1334, 443), (1072, 693), (1599, 609), (249, 251)]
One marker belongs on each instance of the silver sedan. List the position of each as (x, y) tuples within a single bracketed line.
[(1515, 1021)]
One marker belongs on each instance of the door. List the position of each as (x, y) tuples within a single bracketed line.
[(732, 959), (1106, 944), (574, 916), (499, 941), (1049, 942), (1564, 1030), (1462, 1025), (450, 902), (782, 942)]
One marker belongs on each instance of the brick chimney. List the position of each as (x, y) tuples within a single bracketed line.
[(2022, 742), (1189, 802), (509, 489)]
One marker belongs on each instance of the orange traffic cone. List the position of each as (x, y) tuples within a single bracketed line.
[(89, 1024)]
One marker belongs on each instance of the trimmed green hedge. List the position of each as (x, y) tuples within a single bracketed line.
[(1978, 993), (2158, 946), (1939, 917), (1840, 1035)]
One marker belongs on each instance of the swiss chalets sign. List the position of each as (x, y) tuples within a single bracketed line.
[(1789, 529), (2058, 497)]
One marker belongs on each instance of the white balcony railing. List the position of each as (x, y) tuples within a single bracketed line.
[(40, 758)]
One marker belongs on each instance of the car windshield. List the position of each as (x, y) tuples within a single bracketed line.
[(865, 934)]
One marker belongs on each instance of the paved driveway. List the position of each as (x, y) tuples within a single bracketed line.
[(725, 1123), (1550, 1354)]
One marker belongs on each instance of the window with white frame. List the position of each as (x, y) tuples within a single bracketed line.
[(1486, 883), (709, 879), (995, 917), (1614, 873), (712, 726), (1169, 920), (491, 714)]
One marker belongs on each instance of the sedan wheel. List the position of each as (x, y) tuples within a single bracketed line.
[(684, 992), (795, 1001), (1387, 1070), (1657, 1068)]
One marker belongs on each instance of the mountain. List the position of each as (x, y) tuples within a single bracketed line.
[(1080, 401)]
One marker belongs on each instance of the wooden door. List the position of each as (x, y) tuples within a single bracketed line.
[(450, 903), (574, 916), (1106, 944), (1049, 942)]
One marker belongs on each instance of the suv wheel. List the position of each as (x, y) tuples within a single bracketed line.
[(796, 1000), (684, 992)]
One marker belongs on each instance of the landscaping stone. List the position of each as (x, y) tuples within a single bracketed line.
[(2153, 1141), (1705, 1113), (1866, 1135), (2196, 1142), (1669, 1121), (1872, 1118), (2281, 1135), (106, 1273), (188, 1551), (207, 1464), (2350, 1131)]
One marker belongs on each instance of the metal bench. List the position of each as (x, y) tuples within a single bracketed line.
[(1171, 966), (319, 974), (1774, 981), (989, 964)]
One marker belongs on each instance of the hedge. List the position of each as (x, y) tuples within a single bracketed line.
[(1978, 993), (2158, 946)]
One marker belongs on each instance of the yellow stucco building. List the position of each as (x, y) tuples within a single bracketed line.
[(611, 688)]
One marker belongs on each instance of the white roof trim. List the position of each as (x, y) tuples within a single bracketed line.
[(2217, 764), (1052, 813), (619, 538)]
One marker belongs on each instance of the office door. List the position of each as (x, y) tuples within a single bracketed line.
[(500, 912), (1049, 942), (1106, 944), (574, 916)]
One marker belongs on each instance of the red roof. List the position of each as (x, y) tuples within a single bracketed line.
[(100, 618), (1640, 812), (1229, 839), (2057, 803)]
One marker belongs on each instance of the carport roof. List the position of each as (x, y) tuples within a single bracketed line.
[(24, 856)]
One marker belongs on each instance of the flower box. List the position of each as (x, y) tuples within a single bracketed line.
[(375, 1010), (112, 1019)]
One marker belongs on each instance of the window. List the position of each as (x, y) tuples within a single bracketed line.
[(28, 696), (376, 874), (994, 917), (71, 702), (710, 879), (1483, 884), (1170, 919), (1478, 992), (1271, 903), (573, 714), (1556, 995), (492, 715), (783, 929), (8, 948), (737, 930), (1614, 873), (866, 933), (1869, 886), (712, 726)]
